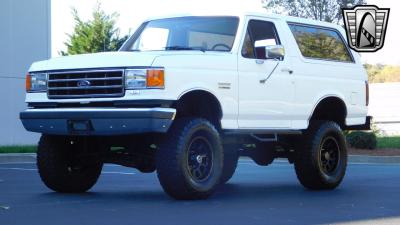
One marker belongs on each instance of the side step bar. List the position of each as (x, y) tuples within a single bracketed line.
[(261, 131), (259, 135), (274, 138)]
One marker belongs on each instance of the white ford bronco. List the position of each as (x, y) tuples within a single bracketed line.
[(187, 95)]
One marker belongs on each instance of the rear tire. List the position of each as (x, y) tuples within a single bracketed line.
[(189, 161), (321, 157), (60, 166)]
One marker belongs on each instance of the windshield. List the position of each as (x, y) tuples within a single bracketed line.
[(185, 33)]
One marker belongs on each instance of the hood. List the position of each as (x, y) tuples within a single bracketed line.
[(96, 60)]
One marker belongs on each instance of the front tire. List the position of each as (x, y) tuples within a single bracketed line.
[(321, 157), (61, 167), (189, 161), (231, 158)]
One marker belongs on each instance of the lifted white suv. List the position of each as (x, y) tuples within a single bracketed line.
[(188, 95)]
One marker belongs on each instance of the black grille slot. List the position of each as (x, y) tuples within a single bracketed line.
[(86, 84)]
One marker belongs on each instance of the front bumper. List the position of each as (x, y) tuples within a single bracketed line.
[(97, 121)]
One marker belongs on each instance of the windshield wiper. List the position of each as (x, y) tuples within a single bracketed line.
[(177, 47)]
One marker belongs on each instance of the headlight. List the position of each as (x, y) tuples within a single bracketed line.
[(36, 82), (144, 78), (135, 79)]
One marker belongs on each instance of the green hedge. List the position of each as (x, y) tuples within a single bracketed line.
[(362, 140)]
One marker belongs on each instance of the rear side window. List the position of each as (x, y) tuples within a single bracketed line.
[(320, 43)]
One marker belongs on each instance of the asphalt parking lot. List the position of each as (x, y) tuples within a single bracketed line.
[(370, 194)]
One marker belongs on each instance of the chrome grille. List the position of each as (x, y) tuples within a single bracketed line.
[(86, 84)]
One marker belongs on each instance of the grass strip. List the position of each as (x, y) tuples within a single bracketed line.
[(18, 149), (389, 142)]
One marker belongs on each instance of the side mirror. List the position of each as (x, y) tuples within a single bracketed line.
[(274, 52)]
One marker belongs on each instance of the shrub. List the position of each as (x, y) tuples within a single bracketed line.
[(362, 140)]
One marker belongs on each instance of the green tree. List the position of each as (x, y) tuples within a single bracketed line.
[(324, 10), (383, 73), (98, 34)]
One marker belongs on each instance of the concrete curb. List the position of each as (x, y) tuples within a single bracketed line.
[(374, 159), (17, 157), (31, 158)]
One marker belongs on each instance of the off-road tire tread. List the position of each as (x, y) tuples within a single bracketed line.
[(168, 169), (50, 155), (306, 166), (231, 158)]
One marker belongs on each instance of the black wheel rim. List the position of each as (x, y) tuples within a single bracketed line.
[(200, 159), (329, 157)]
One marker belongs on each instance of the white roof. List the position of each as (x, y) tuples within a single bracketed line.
[(256, 14)]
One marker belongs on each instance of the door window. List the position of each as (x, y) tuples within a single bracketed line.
[(259, 34)]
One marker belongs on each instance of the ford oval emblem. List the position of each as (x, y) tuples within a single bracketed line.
[(83, 83)]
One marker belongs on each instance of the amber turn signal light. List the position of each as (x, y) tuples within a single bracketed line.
[(28, 83), (155, 78)]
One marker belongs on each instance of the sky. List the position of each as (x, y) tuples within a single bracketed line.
[(132, 13)]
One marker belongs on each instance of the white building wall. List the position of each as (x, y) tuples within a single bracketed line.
[(385, 107), (24, 38)]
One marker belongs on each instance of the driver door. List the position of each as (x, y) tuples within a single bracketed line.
[(266, 88)]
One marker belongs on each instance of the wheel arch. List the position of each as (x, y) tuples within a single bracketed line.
[(199, 103), (332, 108)]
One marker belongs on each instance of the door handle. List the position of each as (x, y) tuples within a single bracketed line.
[(287, 70), (273, 70), (259, 61)]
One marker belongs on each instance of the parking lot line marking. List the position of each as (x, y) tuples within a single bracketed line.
[(11, 163), (4, 207)]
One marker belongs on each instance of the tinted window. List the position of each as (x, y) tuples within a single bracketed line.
[(320, 43), (259, 34)]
